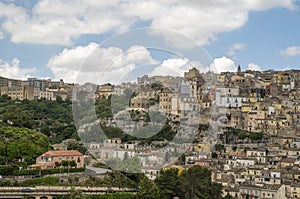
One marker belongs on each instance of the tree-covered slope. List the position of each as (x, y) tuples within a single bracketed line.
[(19, 147)]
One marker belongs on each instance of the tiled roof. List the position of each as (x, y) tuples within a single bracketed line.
[(63, 153), (289, 160), (166, 90)]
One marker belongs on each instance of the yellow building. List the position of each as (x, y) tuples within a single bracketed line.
[(295, 190), (200, 147), (165, 101), (104, 91), (180, 168), (222, 77), (16, 93), (287, 162), (139, 103)]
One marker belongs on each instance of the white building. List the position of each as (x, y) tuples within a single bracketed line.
[(228, 97), (48, 95), (259, 154)]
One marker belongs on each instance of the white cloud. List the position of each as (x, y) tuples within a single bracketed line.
[(98, 65), (235, 47), (223, 64), (172, 67), (10, 11), (254, 67), (200, 20), (1, 35), (264, 5), (12, 70), (60, 21), (290, 51), (177, 67)]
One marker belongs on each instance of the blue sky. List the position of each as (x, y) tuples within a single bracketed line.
[(53, 38), (265, 34)]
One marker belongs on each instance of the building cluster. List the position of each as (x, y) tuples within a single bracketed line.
[(150, 160), (255, 101), (33, 88), (258, 170), (250, 101), (230, 103)]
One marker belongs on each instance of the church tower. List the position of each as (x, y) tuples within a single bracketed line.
[(239, 71)]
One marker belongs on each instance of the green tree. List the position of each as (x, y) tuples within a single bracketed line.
[(21, 144), (65, 163), (4, 98), (148, 190), (73, 163), (57, 164), (53, 118), (196, 183), (169, 183), (74, 145)]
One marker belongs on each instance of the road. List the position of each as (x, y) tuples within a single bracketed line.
[(38, 191), (96, 170)]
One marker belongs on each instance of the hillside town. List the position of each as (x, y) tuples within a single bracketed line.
[(245, 126)]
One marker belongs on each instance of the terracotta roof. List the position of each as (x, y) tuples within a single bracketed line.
[(240, 154), (225, 178), (35, 165), (295, 185), (238, 170), (289, 160), (166, 90), (230, 189), (272, 187), (63, 153), (258, 149)]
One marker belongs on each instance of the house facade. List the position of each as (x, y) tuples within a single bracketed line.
[(51, 159)]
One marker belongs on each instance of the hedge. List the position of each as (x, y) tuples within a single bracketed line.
[(7, 169), (47, 171)]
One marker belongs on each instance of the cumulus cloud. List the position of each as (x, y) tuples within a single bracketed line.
[(60, 21), (235, 47), (254, 67), (172, 67), (177, 67), (1, 35), (63, 21), (290, 51), (9, 11), (12, 70), (92, 63), (223, 64)]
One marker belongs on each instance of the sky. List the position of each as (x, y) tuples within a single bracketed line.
[(116, 40)]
